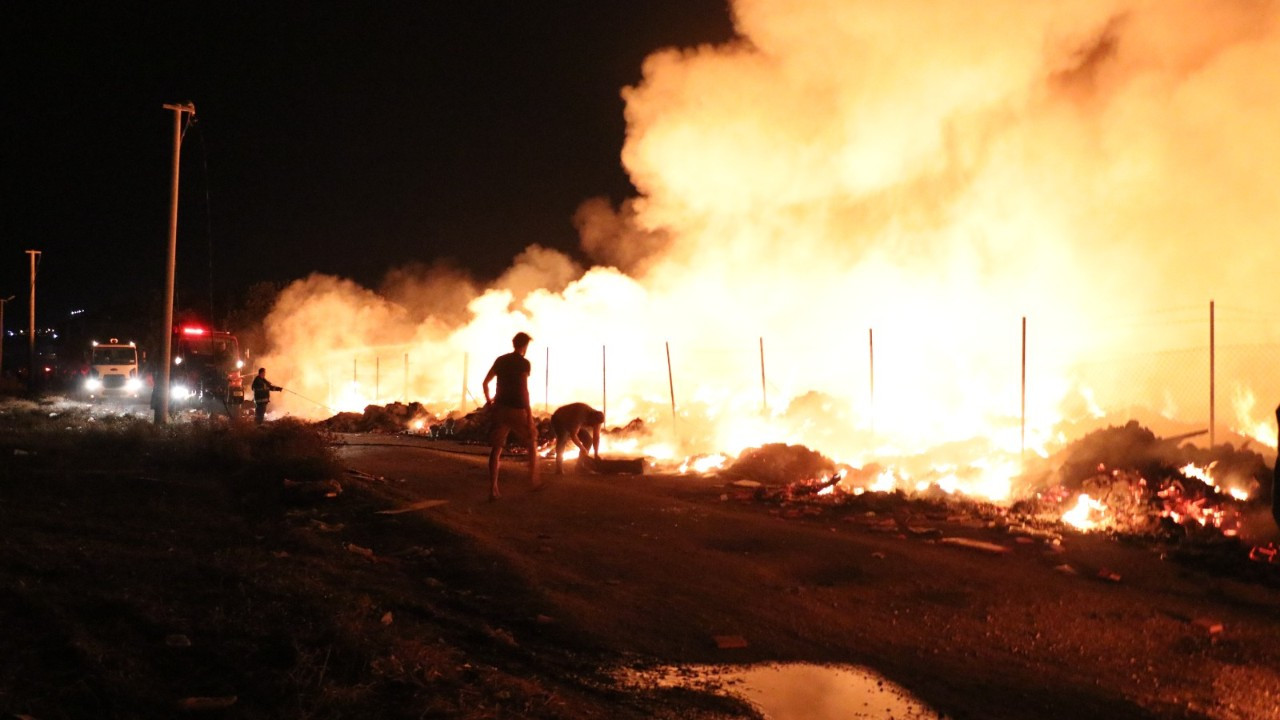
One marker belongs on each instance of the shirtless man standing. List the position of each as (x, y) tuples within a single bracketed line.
[(510, 411), (568, 421)]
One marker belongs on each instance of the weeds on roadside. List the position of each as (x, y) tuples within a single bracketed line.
[(75, 438)]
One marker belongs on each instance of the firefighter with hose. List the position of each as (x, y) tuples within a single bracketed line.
[(262, 389)]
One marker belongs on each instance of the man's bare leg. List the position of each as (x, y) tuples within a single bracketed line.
[(534, 481), (560, 441), (499, 439)]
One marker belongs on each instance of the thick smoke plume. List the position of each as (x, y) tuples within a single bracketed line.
[(851, 182)]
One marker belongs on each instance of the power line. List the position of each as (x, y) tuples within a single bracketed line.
[(208, 216)]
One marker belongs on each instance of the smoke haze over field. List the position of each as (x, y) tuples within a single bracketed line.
[(934, 171)]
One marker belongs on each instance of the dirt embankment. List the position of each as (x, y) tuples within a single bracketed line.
[(220, 571)]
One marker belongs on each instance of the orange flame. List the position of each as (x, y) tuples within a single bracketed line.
[(844, 215)]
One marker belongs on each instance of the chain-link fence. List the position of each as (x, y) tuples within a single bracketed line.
[(1172, 370)]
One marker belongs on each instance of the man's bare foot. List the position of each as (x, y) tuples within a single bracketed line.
[(494, 495)]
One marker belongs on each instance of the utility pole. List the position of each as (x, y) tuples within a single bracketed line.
[(162, 410), (2, 302), (1213, 382), (31, 325)]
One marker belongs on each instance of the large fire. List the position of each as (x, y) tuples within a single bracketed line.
[(844, 217)]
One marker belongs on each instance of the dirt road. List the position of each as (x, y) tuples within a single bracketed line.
[(657, 566)]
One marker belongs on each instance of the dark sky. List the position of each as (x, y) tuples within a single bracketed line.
[(340, 138)]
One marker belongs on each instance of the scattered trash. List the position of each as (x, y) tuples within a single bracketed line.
[(19, 451), (362, 551), (729, 642), (545, 620), (979, 545), (1109, 575), (414, 552), (359, 475), (420, 505), (177, 641), (207, 703), (745, 483), (1066, 569), (308, 489), (1209, 625), (613, 466), (387, 618), (323, 526), (502, 636), (1264, 553)]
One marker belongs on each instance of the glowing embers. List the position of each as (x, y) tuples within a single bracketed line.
[(1203, 474), (1126, 501), (1087, 513), (703, 463)]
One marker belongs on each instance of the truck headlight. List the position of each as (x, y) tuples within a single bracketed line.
[(179, 392), (133, 384), (93, 384)]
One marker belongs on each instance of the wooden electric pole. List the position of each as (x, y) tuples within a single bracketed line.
[(31, 325), (166, 332)]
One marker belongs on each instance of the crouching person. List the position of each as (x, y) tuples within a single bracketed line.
[(580, 423)]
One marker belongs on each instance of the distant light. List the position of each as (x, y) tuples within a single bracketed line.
[(177, 361)]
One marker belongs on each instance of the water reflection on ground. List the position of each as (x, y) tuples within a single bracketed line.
[(799, 691)]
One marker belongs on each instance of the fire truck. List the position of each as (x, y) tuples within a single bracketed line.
[(207, 370), (113, 370)]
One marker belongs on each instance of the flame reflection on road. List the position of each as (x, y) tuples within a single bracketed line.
[(800, 691)]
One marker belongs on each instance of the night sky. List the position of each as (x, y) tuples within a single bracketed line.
[(345, 139)]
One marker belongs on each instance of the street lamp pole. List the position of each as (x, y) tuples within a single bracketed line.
[(162, 408), (2, 304)]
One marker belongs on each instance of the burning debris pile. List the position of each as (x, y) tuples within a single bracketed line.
[(393, 418), (472, 428), (1127, 480), (780, 464), (1193, 502)]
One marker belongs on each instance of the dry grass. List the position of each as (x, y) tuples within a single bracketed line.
[(121, 535), (84, 437)]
